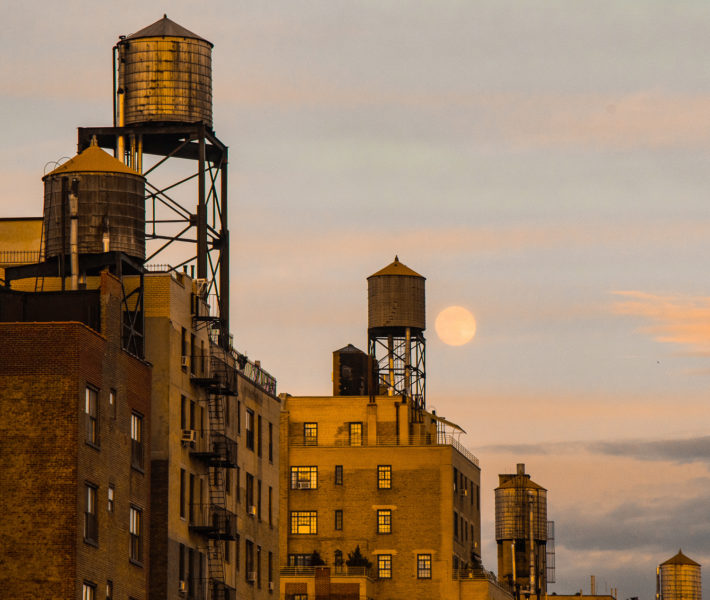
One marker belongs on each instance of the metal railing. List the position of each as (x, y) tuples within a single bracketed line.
[(412, 440), (478, 574), (19, 257), (338, 571), (213, 521), (214, 447)]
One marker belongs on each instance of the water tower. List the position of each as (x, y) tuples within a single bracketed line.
[(678, 578), (521, 534), (162, 111), (395, 326)]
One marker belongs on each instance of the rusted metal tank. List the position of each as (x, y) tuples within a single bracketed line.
[(111, 206), (165, 75), (396, 298)]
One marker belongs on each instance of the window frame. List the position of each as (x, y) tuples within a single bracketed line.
[(384, 521), (424, 566), (384, 477), (88, 590), (310, 434), (384, 572), (137, 436), (91, 410), (338, 475), (302, 520), (338, 524), (355, 433), (135, 530), (304, 477), (91, 517), (249, 429), (111, 498)]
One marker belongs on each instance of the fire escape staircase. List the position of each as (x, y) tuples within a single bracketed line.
[(219, 452)]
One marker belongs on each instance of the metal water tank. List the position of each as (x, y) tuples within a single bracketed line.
[(111, 206), (165, 74), (520, 502), (396, 298)]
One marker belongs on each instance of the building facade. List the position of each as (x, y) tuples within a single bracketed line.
[(75, 455)]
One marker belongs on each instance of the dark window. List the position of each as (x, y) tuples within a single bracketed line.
[(384, 521), (250, 429), (423, 566), (239, 417), (236, 552), (456, 480), (258, 566), (237, 483), (271, 517), (271, 568), (456, 525), (338, 474), (183, 490), (183, 348), (356, 434), (338, 520), (91, 522), (91, 408), (384, 566), (112, 403), (251, 509), (109, 590), (384, 477), (271, 443), (299, 560), (249, 571), (258, 436), (304, 478), (135, 528), (258, 499), (310, 434), (183, 412), (136, 441), (193, 358), (304, 522)]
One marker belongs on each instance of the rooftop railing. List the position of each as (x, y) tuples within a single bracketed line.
[(19, 257), (338, 571)]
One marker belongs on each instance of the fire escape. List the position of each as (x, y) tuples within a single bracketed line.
[(219, 452)]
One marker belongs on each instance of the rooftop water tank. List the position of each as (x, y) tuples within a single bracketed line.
[(396, 299), (111, 207), (165, 74)]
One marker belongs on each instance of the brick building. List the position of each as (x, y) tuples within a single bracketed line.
[(74, 454)]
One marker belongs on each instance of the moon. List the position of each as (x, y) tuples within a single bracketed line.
[(455, 326)]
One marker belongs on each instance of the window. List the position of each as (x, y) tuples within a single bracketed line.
[(250, 429), (193, 361), (258, 499), (135, 528), (310, 434), (299, 560), (136, 441), (88, 591), (258, 436), (356, 434), (271, 567), (109, 590), (111, 492), (384, 566), (258, 566), (250, 492), (304, 478), (384, 477), (271, 443), (183, 412), (112, 401), (183, 348), (338, 474), (271, 517), (299, 597), (237, 483), (227, 553), (456, 525), (92, 416), (338, 558), (249, 561), (236, 552), (384, 521), (423, 566), (91, 523), (338, 520), (304, 522), (183, 490)]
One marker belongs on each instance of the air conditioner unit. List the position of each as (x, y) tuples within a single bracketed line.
[(182, 586), (464, 492), (188, 436), (252, 510), (251, 576), (303, 485), (271, 586), (185, 361)]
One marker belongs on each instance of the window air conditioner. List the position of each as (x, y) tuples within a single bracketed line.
[(303, 485), (252, 576), (185, 361), (188, 436), (252, 510), (182, 586)]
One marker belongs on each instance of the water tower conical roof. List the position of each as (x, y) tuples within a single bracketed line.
[(93, 160), (166, 28), (680, 559), (396, 268)]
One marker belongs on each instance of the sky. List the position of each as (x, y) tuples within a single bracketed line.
[(543, 163)]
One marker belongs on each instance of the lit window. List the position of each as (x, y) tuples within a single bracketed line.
[(310, 434), (356, 434), (136, 440), (304, 522), (384, 477), (423, 566), (91, 408), (384, 521), (384, 566), (111, 492), (109, 590), (338, 474), (91, 523), (304, 478), (88, 591), (112, 402), (135, 528), (338, 520)]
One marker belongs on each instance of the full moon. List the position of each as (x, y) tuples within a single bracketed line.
[(455, 326)]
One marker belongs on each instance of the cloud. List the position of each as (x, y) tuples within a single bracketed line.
[(696, 449), (674, 319)]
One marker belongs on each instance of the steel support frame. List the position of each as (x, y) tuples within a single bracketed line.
[(400, 376), (203, 226)]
